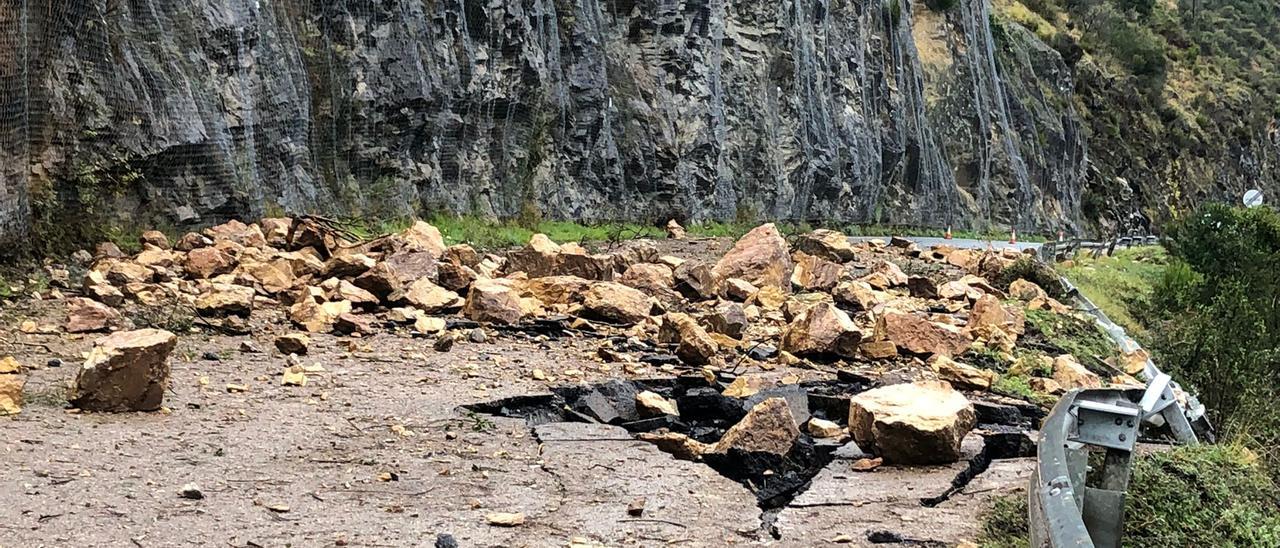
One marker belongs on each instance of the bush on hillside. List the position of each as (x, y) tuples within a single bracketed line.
[(1217, 318)]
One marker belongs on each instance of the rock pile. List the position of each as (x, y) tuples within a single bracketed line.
[(872, 305)]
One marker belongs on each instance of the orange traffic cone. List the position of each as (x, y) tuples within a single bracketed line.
[(1013, 237), (948, 236)]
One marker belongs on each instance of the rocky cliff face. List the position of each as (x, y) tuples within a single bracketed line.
[(187, 112)]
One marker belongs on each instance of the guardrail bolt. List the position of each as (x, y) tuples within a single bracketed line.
[(1119, 421), (1130, 423), (1122, 437)]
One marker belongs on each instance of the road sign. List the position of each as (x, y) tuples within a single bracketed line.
[(1253, 198)]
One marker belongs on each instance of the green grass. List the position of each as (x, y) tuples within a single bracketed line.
[(1005, 524), (1206, 495), (1121, 285), (1080, 337)]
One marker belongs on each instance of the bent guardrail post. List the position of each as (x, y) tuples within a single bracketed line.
[(1066, 511)]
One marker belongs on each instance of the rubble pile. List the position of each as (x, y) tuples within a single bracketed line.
[(890, 310)]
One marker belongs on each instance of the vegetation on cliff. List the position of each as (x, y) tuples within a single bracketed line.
[(1180, 97)]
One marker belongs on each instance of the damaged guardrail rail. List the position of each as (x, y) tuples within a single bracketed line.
[(1065, 508)]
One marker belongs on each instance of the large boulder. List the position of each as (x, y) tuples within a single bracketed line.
[(1070, 373), (238, 232), (696, 281), (225, 300), (814, 273), (555, 290), (693, 344), (207, 262), (127, 371), (760, 257), (917, 335), (494, 302), (920, 423), (424, 237), (653, 278), (857, 296), (963, 375), (318, 317), (428, 297), (828, 244), (86, 315), (769, 427), (392, 276), (617, 303), (822, 330), (988, 313)]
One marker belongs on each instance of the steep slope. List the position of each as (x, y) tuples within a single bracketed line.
[(185, 113)]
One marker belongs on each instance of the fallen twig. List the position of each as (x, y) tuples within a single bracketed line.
[(654, 520)]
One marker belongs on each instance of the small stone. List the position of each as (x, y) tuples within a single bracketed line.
[(815, 273), (428, 297), (739, 290), (225, 300), (866, 465), (191, 491), (427, 325), (1046, 386), (444, 342), (651, 404), (677, 445), (445, 540), (879, 350), (293, 343), (828, 244), (744, 387), (9, 365), (207, 262), (504, 519), (294, 376), (247, 347), (636, 508), (821, 428), (674, 230), (478, 336), (696, 281)]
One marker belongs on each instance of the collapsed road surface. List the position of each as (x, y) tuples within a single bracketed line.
[(290, 416)]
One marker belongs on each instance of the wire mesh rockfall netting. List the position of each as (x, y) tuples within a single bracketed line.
[(180, 113)]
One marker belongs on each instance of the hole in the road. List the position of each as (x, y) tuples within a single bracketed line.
[(706, 414)]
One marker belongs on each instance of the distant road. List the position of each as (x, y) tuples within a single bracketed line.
[(958, 243)]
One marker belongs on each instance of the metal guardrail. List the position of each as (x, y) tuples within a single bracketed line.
[(1066, 511), (1065, 249)]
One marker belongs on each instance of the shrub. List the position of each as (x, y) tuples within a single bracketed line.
[(1217, 318)]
